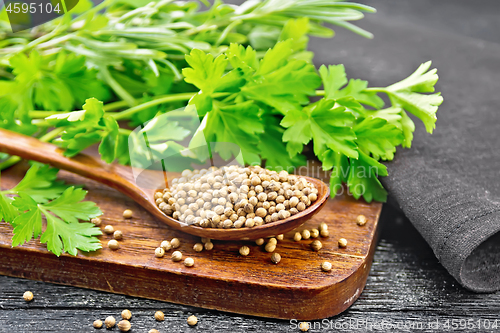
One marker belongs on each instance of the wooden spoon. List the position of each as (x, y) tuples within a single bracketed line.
[(121, 178)]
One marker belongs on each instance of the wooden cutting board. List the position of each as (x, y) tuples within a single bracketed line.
[(221, 279)]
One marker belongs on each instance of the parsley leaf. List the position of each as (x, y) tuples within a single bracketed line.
[(325, 124), (408, 95), (363, 178), (378, 137), (62, 206)]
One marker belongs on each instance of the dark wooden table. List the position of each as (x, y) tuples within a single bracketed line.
[(407, 287)]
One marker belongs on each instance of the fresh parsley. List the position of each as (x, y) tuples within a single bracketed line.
[(39, 195), (247, 70)]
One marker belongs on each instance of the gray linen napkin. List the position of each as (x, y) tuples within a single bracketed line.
[(448, 183)]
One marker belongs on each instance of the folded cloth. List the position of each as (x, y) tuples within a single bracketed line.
[(448, 183)]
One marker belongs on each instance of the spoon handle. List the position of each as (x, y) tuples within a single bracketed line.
[(33, 149)]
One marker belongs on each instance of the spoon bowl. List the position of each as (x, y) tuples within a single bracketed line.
[(122, 179)]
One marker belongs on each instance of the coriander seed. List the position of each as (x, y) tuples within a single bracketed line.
[(297, 237), (159, 252), (109, 229), (113, 244), (176, 256), (97, 221), (166, 245), (324, 233), (272, 240), (306, 234), (316, 245), (124, 325), (314, 233), (189, 262), (192, 320), (28, 296), (175, 243), (205, 240), (118, 235), (323, 226), (342, 242), (280, 237), (270, 247), (198, 247), (127, 213), (97, 323), (159, 316), (209, 246), (259, 241), (110, 321), (126, 314), (326, 266), (275, 258), (244, 250), (361, 220)]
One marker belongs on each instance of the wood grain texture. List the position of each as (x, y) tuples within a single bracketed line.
[(221, 279), (406, 285)]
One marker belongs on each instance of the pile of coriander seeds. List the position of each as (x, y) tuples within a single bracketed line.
[(235, 197)]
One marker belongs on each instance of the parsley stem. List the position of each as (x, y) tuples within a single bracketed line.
[(376, 89), (160, 100), (9, 162), (320, 93), (113, 106), (52, 134)]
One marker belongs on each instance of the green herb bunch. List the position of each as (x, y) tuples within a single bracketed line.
[(246, 68)]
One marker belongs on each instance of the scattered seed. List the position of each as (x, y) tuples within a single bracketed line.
[(176, 256), (342, 242), (127, 213), (314, 233), (126, 314), (109, 229), (97, 323), (297, 237), (259, 241), (124, 325), (361, 220), (280, 237), (198, 247), (275, 258), (113, 244), (209, 246), (205, 240), (159, 316), (273, 240), (28, 296), (304, 327), (306, 234), (316, 245), (324, 233), (97, 221), (175, 243), (110, 321), (244, 250), (192, 320), (270, 247), (165, 245), (326, 266), (159, 252), (323, 226), (189, 262), (118, 235)]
